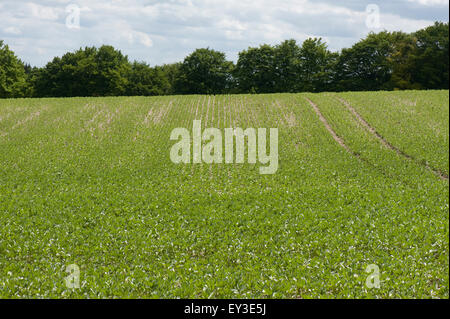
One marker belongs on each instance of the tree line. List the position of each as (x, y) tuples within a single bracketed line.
[(380, 61)]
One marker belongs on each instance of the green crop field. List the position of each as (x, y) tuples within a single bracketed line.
[(362, 180)]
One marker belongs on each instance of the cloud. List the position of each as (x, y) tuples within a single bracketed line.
[(166, 31), (41, 12), (431, 2), (12, 30)]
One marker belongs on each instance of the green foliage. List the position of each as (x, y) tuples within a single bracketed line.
[(205, 71), (145, 81), (380, 61), (396, 61), (407, 115), (12, 74), (254, 70), (430, 59), (287, 62), (400, 59), (316, 66), (171, 73), (92, 184), (286, 68), (86, 72), (365, 66)]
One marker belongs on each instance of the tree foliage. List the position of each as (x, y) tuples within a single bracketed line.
[(429, 61), (86, 72), (255, 70), (205, 71), (144, 80), (380, 61), (12, 74), (366, 65), (316, 66)]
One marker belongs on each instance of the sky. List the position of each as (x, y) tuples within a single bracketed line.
[(159, 32)]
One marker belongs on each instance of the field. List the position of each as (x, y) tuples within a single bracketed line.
[(362, 180)]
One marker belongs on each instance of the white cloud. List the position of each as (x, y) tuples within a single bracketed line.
[(166, 31), (42, 12), (143, 38), (12, 30), (431, 2), (392, 22)]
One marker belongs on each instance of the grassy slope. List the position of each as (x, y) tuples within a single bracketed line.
[(88, 181), (416, 122)]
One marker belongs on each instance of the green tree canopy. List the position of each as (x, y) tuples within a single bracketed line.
[(12, 74), (287, 61), (255, 70), (205, 71), (429, 63), (286, 67), (404, 47), (171, 73), (144, 80), (86, 72), (316, 66), (366, 65), (380, 61)]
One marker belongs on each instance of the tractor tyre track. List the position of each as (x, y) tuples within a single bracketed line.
[(338, 139), (386, 143), (341, 142)]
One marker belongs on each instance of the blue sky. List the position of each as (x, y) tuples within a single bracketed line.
[(166, 31)]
